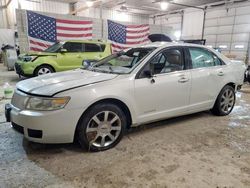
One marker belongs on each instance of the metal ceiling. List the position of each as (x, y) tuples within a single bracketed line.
[(151, 7)]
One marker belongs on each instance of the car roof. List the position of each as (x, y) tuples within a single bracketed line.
[(168, 44), (88, 41)]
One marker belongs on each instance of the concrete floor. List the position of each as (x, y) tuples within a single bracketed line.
[(199, 150)]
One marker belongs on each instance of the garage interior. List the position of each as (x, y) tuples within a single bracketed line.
[(198, 150)]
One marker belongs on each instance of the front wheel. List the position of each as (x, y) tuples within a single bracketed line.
[(43, 69), (225, 102), (101, 127)]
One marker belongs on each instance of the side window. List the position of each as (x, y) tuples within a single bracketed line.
[(217, 61), (201, 58), (73, 47), (169, 60), (93, 47)]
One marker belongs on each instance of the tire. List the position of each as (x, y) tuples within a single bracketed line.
[(43, 69), (101, 127), (225, 101)]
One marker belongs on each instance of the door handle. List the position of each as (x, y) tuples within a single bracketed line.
[(220, 73), (183, 80)]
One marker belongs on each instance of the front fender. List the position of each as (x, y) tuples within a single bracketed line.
[(83, 97)]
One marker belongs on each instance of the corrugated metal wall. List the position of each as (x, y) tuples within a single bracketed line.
[(172, 21), (3, 23), (225, 27), (111, 14), (8, 16), (229, 29)]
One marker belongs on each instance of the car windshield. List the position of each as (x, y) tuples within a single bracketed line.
[(54, 48), (122, 62)]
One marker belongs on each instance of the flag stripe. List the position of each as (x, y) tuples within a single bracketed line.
[(74, 29), (74, 32), (138, 36), (136, 31), (73, 25), (137, 26), (74, 35), (73, 21), (35, 49), (72, 38)]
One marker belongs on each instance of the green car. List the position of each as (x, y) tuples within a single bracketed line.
[(61, 56)]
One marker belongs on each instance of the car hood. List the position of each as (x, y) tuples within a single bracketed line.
[(41, 54), (50, 84)]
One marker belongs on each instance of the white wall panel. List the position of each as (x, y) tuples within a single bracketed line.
[(225, 29), (210, 38), (224, 38), (111, 14), (46, 6), (192, 25), (220, 13), (242, 10), (243, 28), (210, 30), (242, 37), (8, 16), (226, 20), (242, 19)]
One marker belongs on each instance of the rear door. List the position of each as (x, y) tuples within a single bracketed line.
[(93, 51), (207, 75)]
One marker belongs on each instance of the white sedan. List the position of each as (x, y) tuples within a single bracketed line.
[(144, 84)]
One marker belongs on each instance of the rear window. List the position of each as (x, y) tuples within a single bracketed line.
[(94, 47)]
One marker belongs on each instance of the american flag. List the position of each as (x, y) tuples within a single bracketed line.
[(43, 31), (126, 36)]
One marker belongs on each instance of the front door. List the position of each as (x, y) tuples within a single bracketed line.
[(72, 57), (167, 92)]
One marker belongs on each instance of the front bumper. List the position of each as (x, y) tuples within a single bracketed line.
[(19, 70), (44, 126)]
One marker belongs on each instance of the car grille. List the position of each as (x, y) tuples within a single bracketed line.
[(18, 128), (18, 69), (19, 100)]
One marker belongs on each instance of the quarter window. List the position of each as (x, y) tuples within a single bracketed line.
[(92, 47)]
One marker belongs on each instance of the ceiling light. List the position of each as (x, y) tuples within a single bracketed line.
[(89, 3), (164, 5)]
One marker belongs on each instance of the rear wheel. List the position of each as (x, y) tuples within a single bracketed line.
[(225, 101), (102, 127), (43, 69)]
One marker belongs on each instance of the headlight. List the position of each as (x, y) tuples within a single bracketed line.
[(29, 58), (39, 103)]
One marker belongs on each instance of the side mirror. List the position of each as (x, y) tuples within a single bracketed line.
[(63, 50), (88, 63), (148, 73)]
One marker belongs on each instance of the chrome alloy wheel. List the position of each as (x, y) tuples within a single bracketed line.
[(44, 70), (227, 101), (103, 129)]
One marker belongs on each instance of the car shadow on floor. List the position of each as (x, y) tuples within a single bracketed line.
[(36, 148)]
